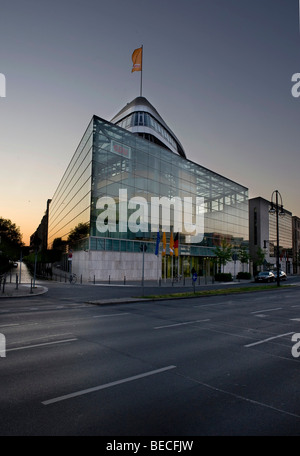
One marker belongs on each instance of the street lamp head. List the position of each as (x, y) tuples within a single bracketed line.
[(272, 209), (282, 213)]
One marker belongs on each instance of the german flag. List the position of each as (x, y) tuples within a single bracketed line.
[(176, 244)]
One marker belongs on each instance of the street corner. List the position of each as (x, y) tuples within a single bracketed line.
[(23, 290)]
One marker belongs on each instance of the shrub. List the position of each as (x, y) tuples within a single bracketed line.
[(223, 277), (244, 275)]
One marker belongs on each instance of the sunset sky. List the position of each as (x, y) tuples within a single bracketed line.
[(218, 72)]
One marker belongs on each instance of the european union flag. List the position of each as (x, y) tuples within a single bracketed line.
[(157, 243)]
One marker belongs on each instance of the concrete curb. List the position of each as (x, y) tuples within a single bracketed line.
[(106, 302), (23, 291)]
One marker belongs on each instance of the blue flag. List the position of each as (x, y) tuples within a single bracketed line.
[(157, 243)]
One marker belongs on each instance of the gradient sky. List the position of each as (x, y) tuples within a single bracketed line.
[(218, 72)]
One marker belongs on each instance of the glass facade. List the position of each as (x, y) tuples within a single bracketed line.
[(71, 204), (110, 158)]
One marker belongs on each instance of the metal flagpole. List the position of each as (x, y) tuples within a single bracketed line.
[(141, 73), (178, 256)]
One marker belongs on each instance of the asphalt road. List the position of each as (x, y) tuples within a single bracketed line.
[(208, 366)]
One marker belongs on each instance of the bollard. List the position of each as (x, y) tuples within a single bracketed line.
[(17, 281), (81, 278), (159, 283), (183, 280), (4, 280), (94, 279), (31, 291), (108, 279), (124, 280)]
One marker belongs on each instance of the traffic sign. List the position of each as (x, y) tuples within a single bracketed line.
[(194, 276)]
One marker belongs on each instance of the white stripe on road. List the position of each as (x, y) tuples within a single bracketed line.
[(111, 315), (12, 324), (267, 340), (41, 345), (266, 310), (107, 385), (180, 324)]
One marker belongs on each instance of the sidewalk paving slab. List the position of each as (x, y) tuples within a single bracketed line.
[(23, 290)]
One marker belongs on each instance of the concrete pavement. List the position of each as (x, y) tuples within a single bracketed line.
[(10, 290)]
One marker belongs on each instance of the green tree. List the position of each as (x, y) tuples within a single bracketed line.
[(10, 239), (80, 231), (223, 253), (10, 243), (259, 258), (59, 244), (244, 256)]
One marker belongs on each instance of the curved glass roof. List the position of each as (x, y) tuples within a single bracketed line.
[(140, 117)]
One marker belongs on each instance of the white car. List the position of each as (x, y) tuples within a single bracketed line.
[(282, 275)]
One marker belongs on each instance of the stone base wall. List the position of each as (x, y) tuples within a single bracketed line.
[(102, 265)]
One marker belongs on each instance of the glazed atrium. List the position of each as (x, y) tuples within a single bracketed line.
[(137, 157)]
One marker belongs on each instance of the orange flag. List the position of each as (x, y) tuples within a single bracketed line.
[(137, 59)]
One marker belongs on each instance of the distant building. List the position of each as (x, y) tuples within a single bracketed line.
[(296, 244), (39, 238), (263, 235)]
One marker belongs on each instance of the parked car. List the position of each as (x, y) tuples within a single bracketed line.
[(265, 276), (282, 275)]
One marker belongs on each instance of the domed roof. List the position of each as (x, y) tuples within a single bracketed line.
[(140, 117)]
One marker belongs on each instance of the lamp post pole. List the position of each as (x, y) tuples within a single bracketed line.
[(277, 234), (272, 210)]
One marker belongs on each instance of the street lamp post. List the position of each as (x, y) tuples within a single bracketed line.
[(275, 209)]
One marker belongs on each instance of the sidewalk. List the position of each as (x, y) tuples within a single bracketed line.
[(23, 290)]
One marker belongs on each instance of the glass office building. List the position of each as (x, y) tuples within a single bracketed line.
[(103, 206)]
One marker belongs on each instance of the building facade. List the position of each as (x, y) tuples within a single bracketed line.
[(296, 244), (125, 183), (263, 237)]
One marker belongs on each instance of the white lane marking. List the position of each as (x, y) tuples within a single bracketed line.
[(180, 324), (267, 340), (12, 324), (266, 310), (41, 345), (111, 315), (107, 385)]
